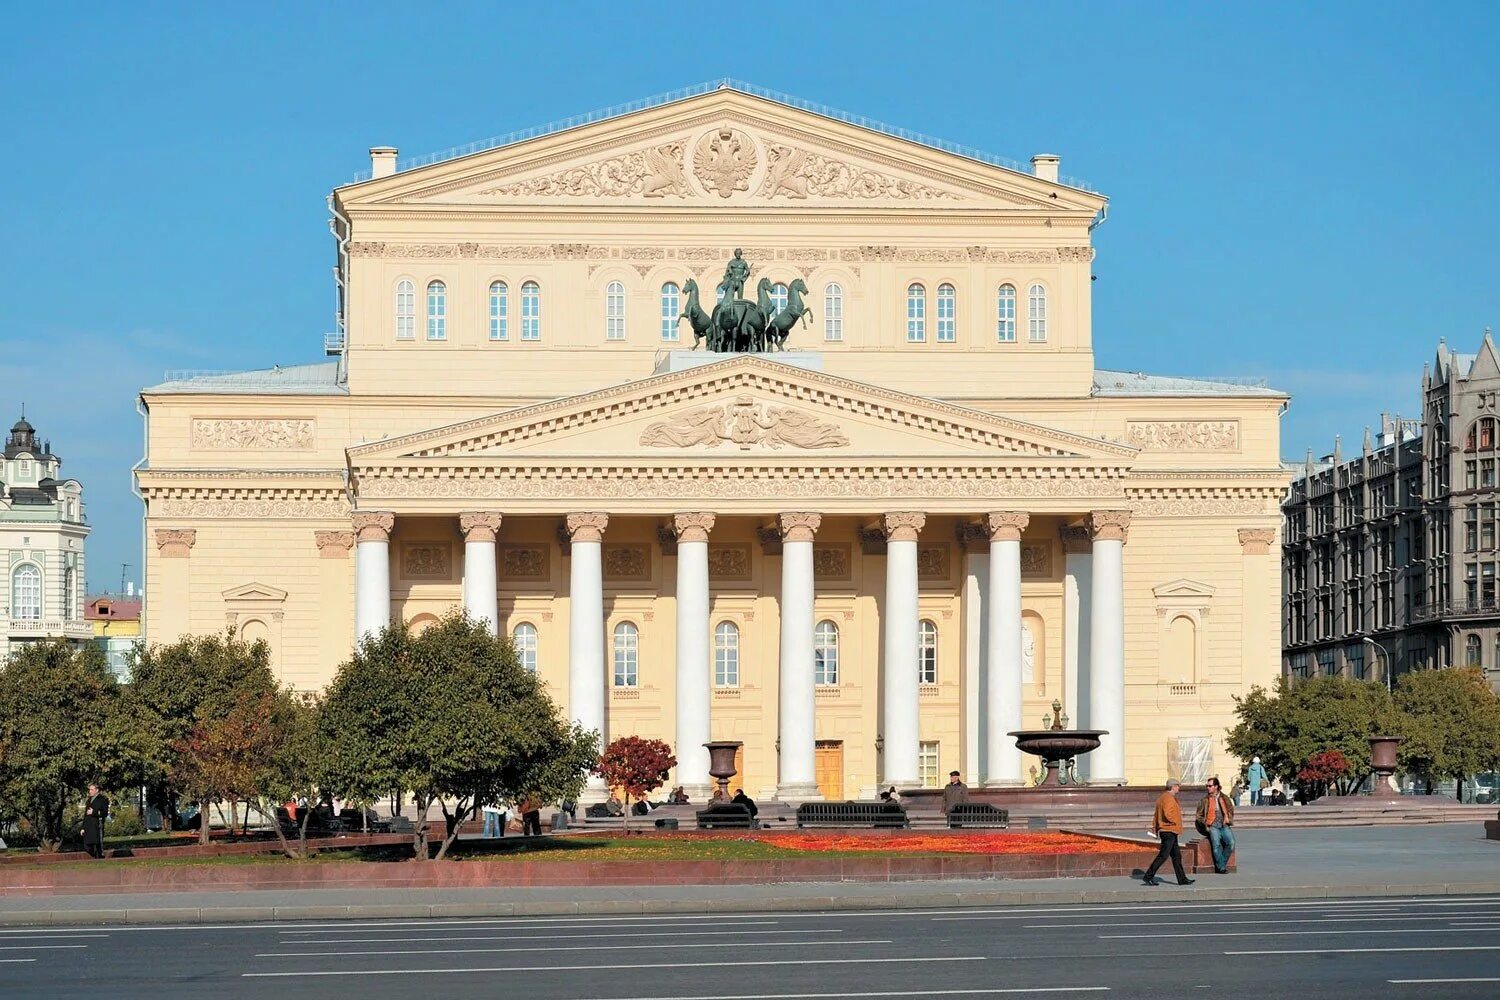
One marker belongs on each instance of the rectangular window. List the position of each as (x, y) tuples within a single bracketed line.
[(927, 763), (947, 324), (1487, 584), (1327, 666), (1487, 473), (1038, 314), (1297, 665), (670, 311), (499, 312), (916, 315), (1005, 315), (1471, 478), (1356, 657)]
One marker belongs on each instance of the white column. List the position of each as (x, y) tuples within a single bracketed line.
[(586, 627), (372, 572), (796, 728), (1003, 694), (976, 637), (693, 661), (1077, 600), (1106, 679), (479, 566), (901, 731)]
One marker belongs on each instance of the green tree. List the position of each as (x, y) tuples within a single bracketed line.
[(62, 726), (193, 684), (1450, 723), (1287, 726), (287, 765), (454, 717)]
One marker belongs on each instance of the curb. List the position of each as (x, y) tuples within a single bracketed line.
[(189, 915)]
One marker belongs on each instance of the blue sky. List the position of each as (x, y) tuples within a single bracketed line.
[(1301, 192)]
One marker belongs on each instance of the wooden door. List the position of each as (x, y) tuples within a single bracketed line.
[(738, 781), (829, 769)]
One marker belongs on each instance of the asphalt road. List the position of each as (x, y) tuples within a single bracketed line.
[(1433, 947)]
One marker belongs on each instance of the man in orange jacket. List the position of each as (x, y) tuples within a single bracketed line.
[(1167, 825)]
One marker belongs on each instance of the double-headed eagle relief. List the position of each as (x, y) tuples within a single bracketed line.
[(737, 325)]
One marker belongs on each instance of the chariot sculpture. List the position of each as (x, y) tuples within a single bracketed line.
[(738, 325)]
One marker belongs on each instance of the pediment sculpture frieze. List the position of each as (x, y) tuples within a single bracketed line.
[(745, 423)]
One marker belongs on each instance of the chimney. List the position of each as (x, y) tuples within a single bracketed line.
[(1044, 166), (382, 161)]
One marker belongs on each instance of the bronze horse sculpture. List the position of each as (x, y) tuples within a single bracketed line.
[(742, 324), (699, 320), (781, 324)]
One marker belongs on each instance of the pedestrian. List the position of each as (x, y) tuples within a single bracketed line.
[(1256, 779), (954, 792), (1215, 819), (1166, 823), (493, 827), (531, 817), (95, 812), (741, 799)]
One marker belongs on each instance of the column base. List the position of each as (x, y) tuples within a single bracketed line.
[(698, 793), (797, 792), (594, 791)]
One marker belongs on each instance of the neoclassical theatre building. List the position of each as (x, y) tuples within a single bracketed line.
[(867, 556)]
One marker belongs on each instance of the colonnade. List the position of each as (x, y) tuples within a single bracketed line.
[(1098, 570)]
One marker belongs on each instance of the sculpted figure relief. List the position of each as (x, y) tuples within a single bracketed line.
[(744, 422), (654, 173)]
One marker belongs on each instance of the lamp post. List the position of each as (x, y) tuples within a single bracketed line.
[(1384, 656)]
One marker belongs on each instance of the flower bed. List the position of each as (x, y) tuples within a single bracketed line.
[(938, 843)]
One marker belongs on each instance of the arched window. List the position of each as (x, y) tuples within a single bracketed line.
[(531, 311), (1038, 314), (614, 311), (671, 310), (26, 592), (727, 655), (947, 320), (1005, 314), (499, 311), (437, 311), (778, 298), (627, 648), (1473, 655), (720, 292), (1482, 436), (916, 314), (524, 638), (833, 311), (406, 310), (927, 645), (826, 654)]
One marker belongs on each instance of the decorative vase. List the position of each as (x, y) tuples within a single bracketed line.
[(721, 754), (1383, 763)]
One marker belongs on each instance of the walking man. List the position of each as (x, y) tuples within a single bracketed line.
[(1214, 820), (1256, 779), (95, 812), (1166, 823)]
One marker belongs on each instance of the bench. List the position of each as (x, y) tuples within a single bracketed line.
[(977, 814), (727, 816), (880, 815)]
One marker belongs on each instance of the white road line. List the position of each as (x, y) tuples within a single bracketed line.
[(562, 937), (977, 991), (1322, 905), (580, 921), (1357, 930), (49, 932), (1368, 951), (1424, 982), (598, 968), (580, 947), (14, 961), (1265, 920), (601, 929), (39, 947)]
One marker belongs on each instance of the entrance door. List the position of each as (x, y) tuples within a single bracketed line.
[(829, 769)]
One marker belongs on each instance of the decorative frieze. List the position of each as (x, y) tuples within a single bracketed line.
[(246, 434), (1183, 435), (175, 543), (744, 422), (715, 254), (729, 562), (656, 172), (523, 562), (260, 508), (796, 173), (724, 159), (627, 562), (427, 561), (831, 562), (333, 544), (933, 562), (1036, 560)]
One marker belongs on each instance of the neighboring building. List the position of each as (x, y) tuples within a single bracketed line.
[(116, 622), (42, 531), (1390, 558), (868, 558)]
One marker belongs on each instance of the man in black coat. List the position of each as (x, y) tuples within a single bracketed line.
[(95, 812)]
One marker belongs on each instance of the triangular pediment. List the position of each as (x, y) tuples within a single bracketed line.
[(729, 148), (744, 409), (1182, 587), (255, 593)]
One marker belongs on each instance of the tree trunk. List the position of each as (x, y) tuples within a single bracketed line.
[(286, 847), (626, 817), (203, 821)]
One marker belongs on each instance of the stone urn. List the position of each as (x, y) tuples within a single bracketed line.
[(721, 754), (1383, 763)]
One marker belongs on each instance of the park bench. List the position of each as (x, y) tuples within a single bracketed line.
[(977, 814), (726, 816), (880, 815)]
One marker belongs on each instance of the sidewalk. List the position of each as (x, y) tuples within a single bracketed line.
[(1364, 861)]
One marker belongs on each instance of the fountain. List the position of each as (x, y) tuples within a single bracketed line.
[(1057, 744)]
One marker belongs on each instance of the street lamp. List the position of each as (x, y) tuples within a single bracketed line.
[(1384, 656)]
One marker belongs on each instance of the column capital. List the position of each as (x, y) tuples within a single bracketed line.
[(798, 526), (1257, 541), (692, 526), (586, 527), (479, 526), (1076, 538), (902, 525), (373, 525), (175, 543), (1006, 525), (334, 544), (1109, 525)]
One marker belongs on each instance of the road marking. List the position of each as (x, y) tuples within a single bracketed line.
[(39, 947), (1368, 951), (686, 922), (1330, 905), (560, 937), (572, 947), (13, 961), (598, 968), (49, 932), (1267, 920), (977, 991), (1424, 982), (1357, 930)]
